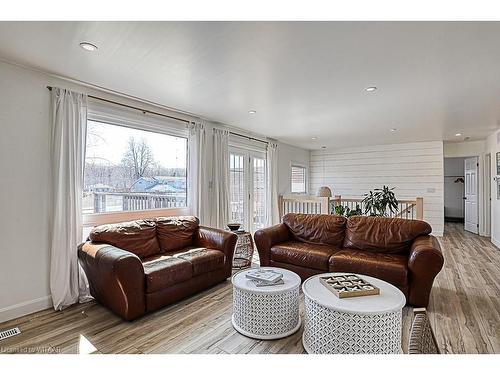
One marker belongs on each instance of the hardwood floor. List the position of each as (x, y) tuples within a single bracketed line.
[(464, 312)]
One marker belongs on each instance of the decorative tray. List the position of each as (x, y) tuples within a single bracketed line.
[(348, 285)]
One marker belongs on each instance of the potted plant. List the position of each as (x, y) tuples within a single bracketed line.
[(346, 211), (380, 202)]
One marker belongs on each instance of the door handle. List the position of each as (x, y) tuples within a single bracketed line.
[(464, 198)]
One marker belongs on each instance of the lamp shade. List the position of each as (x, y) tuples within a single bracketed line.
[(324, 191)]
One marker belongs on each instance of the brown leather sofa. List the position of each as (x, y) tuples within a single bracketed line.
[(398, 251), (143, 265)]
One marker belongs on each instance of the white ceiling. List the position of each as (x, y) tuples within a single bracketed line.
[(304, 79)]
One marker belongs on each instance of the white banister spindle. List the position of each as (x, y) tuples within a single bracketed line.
[(407, 209)]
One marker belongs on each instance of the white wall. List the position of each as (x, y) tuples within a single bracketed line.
[(24, 170), (415, 169), (493, 146), (288, 155), (464, 149), (453, 191)]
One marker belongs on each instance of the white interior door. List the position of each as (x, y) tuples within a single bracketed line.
[(471, 195), (247, 188)]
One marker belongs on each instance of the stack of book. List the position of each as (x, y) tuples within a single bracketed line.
[(265, 277)]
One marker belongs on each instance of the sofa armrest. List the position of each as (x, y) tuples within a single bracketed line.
[(424, 263), (116, 278), (218, 239), (267, 238)]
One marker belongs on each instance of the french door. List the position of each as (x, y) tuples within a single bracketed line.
[(247, 188)]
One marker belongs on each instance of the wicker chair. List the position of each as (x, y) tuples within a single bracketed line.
[(422, 340)]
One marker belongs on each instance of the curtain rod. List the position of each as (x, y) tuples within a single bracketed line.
[(250, 138), (161, 114), (132, 107)]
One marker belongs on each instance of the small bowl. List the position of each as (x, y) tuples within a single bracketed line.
[(234, 226)]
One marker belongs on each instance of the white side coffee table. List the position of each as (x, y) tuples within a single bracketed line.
[(368, 324), (269, 312)]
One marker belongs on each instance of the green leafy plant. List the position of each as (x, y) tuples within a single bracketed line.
[(380, 202), (338, 210), (345, 210)]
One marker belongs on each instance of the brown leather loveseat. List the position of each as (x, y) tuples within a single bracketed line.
[(143, 265), (398, 251)]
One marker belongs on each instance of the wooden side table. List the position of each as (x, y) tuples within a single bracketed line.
[(243, 252)]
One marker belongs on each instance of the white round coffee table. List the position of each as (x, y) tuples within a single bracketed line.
[(368, 324), (268, 312)]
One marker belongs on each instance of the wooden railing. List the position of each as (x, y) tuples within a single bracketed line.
[(105, 201), (407, 209), (303, 204)]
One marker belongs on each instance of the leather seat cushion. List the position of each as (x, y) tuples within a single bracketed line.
[(176, 233), (383, 235), (303, 254), (164, 271), (317, 229), (203, 260), (138, 237), (392, 268)]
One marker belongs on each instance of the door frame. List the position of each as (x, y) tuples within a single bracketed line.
[(474, 227), (484, 204), (249, 154)]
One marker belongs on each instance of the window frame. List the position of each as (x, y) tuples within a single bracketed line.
[(134, 119), (304, 167)]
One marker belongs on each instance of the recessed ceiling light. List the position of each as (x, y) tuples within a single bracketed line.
[(252, 111), (458, 134), (394, 129), (314, 138), (371, 89), (88, 46)]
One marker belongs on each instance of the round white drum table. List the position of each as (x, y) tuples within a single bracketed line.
[(266, 312), (368, 324)]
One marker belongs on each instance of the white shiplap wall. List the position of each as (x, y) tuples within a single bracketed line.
[(414, 169)]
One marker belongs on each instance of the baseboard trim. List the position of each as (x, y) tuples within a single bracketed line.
[(495, 242), (25, 308)]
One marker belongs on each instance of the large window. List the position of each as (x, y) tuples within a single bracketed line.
[(298, 179), (128, 169)]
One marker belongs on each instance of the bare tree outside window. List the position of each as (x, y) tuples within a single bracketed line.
[(138, 157)]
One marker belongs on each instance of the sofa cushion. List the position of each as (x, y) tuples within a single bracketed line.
[(175, 233), (383, 235), (138, 237), (203, 260), (303, 254), (317, 229), (164, 271), (392, 268)]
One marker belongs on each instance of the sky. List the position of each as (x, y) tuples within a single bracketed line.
[(107, 142)]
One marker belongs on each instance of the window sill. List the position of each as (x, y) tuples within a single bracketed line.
[(117, 217)]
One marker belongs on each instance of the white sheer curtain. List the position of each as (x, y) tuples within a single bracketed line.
[(272, 184), (198, 173), (220, 179), (68, 283)]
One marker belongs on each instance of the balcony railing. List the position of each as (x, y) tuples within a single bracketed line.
[(112, 202)]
